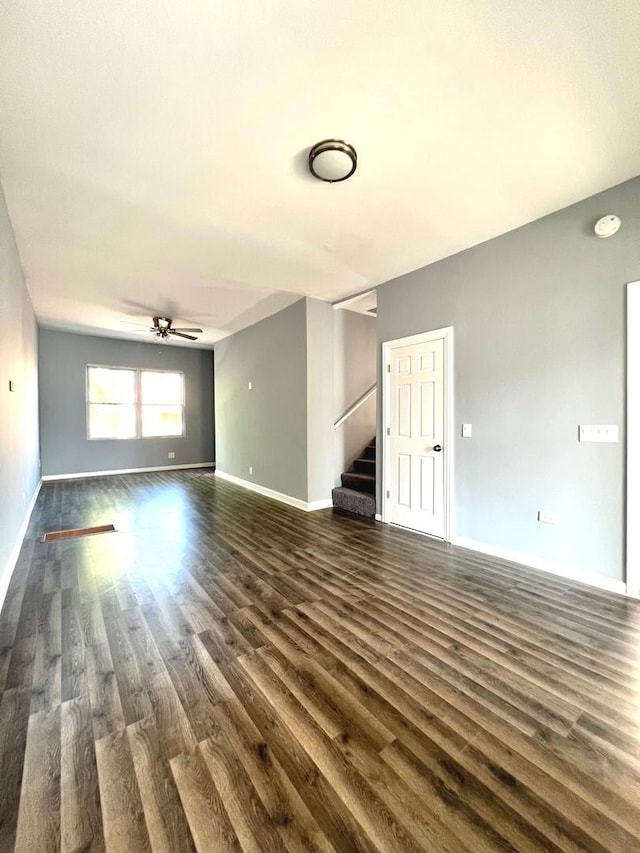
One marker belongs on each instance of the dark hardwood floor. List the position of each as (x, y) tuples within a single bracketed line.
[(227, 673)]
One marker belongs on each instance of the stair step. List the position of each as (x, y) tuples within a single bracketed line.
[(360, 482), (370, 452), (352, 501), (365, 466)]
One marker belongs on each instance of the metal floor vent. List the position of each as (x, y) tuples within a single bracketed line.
[(76, 532)]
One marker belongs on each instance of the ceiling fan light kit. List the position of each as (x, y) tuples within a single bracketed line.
[(332, 160)]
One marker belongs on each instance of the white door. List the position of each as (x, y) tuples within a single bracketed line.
[(416, 436)]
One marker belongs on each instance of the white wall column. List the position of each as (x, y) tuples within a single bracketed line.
[(633, 439)]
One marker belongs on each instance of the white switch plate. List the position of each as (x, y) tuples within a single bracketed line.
[(250, 470), (607, 433), (547, 517), (467, 430), (250, 386), (171, 454)]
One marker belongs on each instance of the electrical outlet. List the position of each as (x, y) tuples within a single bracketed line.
[(171, 454), (547, 517), (250, 470)]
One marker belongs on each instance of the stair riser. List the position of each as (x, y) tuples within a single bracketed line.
[(357, 503), (365, 466), (370, 452)]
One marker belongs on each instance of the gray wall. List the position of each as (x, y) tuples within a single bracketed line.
[(63, 431), (320, 407), (539, 348), (265, 428), (19, 452), (354, 371)]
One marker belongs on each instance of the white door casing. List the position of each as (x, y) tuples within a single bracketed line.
[(417, 421)]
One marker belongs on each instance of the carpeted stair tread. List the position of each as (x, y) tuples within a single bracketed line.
[(351, 500), (357, 494), (359, 482)]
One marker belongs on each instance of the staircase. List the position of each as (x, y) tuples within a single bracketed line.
[(358, 491)]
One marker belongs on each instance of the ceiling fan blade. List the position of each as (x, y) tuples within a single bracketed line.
[(199, 331), (180, 335)]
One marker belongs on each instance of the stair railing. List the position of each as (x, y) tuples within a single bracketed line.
[(355, 406)]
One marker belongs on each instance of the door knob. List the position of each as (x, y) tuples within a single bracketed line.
[(437, 448)]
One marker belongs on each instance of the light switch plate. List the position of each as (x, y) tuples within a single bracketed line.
[(607, 433), (250, 385), (467, 430), (547, 517)]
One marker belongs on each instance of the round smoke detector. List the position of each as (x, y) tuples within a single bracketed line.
[(607, 225)]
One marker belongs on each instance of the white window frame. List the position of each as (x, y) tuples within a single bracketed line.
[(138, 402)]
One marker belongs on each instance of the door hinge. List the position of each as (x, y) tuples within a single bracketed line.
[(388, 430), (388, 368), (388, 494)]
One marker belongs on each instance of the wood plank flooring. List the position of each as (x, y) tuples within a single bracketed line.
[(228, 673)]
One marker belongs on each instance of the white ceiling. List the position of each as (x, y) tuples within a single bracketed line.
[(153, 153)]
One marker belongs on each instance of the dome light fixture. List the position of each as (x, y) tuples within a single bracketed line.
[(332, 160)]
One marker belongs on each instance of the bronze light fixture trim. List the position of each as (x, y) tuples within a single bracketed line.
[(332, 160)]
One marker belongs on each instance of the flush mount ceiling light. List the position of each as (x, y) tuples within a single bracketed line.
[(332, 160)]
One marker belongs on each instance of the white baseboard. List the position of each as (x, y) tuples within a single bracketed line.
[(15, 553), (82, 474), (327, 503), (560, 569), (271, 493)]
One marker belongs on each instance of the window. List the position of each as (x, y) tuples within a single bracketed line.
[(112, 402), (129, 403), (161, 400)]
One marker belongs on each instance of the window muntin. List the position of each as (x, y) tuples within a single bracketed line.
[(133, 403)]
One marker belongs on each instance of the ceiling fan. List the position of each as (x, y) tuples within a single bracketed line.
[(163, 329)]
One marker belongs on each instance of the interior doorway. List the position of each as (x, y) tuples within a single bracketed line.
[(418, 432)]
